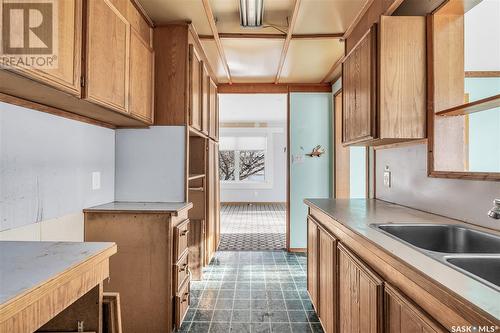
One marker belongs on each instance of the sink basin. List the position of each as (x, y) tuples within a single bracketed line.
[(444, 238), (486, 268)]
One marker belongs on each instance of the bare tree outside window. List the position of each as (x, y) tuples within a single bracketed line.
[(249, 166), (226, 165), (252, 165)]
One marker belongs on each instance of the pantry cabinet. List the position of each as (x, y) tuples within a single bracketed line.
[(212, 232), (384, 83), (108, 47), (360, 295)]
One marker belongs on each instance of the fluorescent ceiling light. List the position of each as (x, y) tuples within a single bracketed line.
[(251, 13)]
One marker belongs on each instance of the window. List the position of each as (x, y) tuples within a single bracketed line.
[(243, 159)]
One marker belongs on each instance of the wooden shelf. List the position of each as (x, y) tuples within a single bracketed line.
[(196, 176), (476, 106), (195, 132)]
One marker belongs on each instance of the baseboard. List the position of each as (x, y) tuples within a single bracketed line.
[(237, 203), (297, 249)]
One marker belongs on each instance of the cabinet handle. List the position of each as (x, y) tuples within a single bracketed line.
[(183, 268), (184, 232), (185, 298)]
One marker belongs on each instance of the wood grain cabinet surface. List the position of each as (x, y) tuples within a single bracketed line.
[(108, 56), (195, 89), (327, 268), (360, 295), (66, 75), (141, 99), (205, 106), (213, 107), (312, 261), (384, 82), (403, 316), (212, 227)]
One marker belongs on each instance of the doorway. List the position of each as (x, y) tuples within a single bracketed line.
[(253, 171)]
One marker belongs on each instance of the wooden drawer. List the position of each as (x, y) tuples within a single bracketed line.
[(181, 304), (180, 239), (181, 271)]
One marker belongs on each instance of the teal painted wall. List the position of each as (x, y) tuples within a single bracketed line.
[(484, 127), (310, 177), (357, 172)]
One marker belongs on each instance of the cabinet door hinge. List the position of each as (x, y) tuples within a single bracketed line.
[(82, 81)]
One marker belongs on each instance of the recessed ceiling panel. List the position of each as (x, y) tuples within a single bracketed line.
[(326, 16), (227, 16), (253, 60), (214, 59), (309, 60), (166, 11)]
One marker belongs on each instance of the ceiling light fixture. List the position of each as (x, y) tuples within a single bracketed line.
[(251, 13)]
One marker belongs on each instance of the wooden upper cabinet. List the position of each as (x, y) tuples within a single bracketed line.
[(67, 73), (402, 100), (312, 261), (327, 293), (141, 78), (360, 295), (402, 316), (195, 89), (205, 121), (107, 58), (384, 83), (213, 111), (359, 91)]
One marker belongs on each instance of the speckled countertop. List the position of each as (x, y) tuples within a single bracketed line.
[(358, 214), (27, 265), (141, 207)]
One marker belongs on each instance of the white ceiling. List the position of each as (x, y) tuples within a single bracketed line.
[(257, 60), (244, 108)]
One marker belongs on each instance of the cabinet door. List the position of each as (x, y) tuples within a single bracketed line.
[(402, 316), (214, 112), (312, 261), (327, 281), (212, 227), (205, 105), (108, 39), (360, 295), (359, 88), (66, 74), (195, 86), (141, 78)]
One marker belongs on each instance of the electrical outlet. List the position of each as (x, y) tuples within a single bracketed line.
[(387, 177), (96, 180)]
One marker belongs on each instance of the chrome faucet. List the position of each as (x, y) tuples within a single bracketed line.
[(494, 212)]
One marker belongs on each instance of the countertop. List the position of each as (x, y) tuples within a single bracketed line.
[(358, 214), (141, 207), (25, 266)]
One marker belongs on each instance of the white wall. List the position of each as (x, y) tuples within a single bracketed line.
[(466, 200), (275, 192), (46, 165), (150, 164)]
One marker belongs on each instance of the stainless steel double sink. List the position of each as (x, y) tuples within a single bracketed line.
[(472, 252)]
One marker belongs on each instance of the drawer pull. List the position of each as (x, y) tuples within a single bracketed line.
[(185, 298), (184, 232), (183, 268)]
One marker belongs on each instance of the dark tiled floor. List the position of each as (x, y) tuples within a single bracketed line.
[(252, 292)]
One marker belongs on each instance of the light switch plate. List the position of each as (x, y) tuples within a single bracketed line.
[(96, 180), (387, 177)]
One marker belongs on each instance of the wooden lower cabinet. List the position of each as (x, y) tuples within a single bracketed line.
[(327, 267), (150, 268), (312, 261), (360, 295), (402, 316)]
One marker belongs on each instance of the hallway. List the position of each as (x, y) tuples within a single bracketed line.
[(246, 227), (252, 292)]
